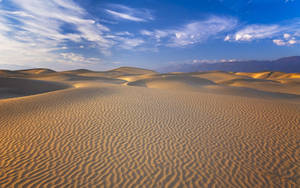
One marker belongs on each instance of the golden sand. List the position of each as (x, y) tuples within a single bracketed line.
[(124, 129)]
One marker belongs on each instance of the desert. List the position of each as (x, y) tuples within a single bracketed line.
[(132, 127), (149, 93)]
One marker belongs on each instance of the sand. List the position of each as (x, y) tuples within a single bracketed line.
[(149, 130)]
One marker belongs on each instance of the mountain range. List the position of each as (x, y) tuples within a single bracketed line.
[(286, 64)]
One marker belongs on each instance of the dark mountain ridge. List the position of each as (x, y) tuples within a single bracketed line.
[(286, 64)]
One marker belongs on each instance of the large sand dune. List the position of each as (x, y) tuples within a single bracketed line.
[(136, 128)]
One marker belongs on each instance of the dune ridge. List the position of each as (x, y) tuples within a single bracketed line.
[(144, 129)]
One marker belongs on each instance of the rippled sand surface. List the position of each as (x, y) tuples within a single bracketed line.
[(120, 129)]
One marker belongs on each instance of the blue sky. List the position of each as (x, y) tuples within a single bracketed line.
[(102, 34)]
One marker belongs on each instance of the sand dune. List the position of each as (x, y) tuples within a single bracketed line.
[(278, 82), (222, 83), (271, 75), (171, 81), (37, 71), (217, 76), (219, 82), (157, 130)]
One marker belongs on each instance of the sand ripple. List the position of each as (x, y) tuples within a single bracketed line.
[(120, 136)]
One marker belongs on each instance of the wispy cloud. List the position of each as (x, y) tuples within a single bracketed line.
[(39, 32), (194, 32), (253, 32), (126, 40), (210, 61), (130, 43), (128, 13), (125, 16), (33, 31), (77, 58)]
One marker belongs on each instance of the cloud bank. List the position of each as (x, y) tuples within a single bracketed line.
[(285, 34)]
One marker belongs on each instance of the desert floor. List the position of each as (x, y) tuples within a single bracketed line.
[(132, 127)]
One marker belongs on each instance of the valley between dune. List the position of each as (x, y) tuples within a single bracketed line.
[(132, 127)]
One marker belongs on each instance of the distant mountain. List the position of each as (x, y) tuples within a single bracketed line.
[(286, 64)]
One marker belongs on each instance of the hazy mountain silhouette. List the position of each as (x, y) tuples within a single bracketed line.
[(286, 64)]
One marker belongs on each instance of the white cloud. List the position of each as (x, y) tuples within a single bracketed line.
[(279, 42), (287, 40), (227, 38), (286, 35), (293, 41), (127, 13), (194, 32)]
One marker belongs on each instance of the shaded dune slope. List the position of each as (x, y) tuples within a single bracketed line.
[(132, 70), (16, 87)]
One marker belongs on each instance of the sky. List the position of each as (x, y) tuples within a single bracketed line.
[(105, 34)]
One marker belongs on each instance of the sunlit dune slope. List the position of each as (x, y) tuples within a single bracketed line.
[(270, 81), (271, 75), (36, 71)]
